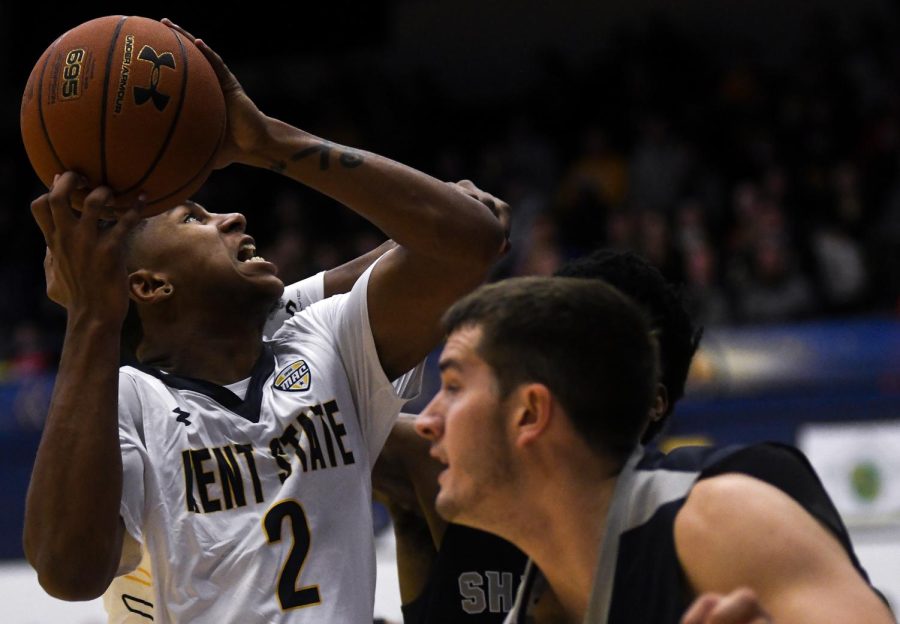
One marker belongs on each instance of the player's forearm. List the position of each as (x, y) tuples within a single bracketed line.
[(72, 507), (426, 216)]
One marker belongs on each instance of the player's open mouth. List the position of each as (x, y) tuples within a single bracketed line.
[(247, 253)]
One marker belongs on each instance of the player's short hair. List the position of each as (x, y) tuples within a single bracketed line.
[(588, 343), (677, 336)]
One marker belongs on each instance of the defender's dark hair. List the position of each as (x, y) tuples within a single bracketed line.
[(588, 343), (677, 337)]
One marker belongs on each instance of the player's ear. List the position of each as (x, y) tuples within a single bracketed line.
[(145, 286), (660, 403), (532, 407)]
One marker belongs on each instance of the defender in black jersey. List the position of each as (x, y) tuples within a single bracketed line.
[(451, 573), (546, 389), (640, 557)]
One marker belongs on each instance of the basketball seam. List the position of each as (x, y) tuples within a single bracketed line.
[(40, 95), (171, 133), (105, 104), (205, 170)]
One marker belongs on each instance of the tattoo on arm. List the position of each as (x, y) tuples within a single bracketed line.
[(349, 159)]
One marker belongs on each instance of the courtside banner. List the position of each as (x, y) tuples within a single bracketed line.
[(860, 467)]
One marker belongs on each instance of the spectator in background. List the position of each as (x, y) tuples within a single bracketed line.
[(30, 355), (835, 244), (655, 243), (658, 166), (706, 301), (542, 254), (593, 186), (775, 290), (813, 133)]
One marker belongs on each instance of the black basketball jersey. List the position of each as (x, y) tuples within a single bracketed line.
[(639, 578), (473, 579)]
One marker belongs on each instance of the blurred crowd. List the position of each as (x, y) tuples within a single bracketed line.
[(769, 190)]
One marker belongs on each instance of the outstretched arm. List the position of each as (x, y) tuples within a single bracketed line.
[(446, 239), (769, 544), (73, 532), (341, 278), (405, 480)]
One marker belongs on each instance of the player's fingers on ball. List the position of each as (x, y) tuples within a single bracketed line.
[(219, 67), (700, 609), (60, 197), (175, 26), (97, 202)]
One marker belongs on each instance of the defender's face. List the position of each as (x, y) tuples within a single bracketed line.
[(466, 426), (210, 252)]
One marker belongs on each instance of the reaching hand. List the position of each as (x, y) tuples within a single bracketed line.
[(739, 607), (85, 260), (246, 125), (496, 205)]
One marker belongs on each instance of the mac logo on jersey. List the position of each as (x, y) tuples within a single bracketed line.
[(293, 378)]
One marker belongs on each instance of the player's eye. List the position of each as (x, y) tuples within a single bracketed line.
[(190, 217)]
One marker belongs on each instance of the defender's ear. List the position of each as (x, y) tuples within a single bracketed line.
[(660, 404), (145, 286), (532, 410)]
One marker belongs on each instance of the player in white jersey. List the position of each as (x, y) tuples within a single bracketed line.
[(129, 598), (242, 466)]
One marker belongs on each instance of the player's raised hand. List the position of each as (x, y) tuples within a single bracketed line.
[(85, 261), (739, 607), (496, 205), (246, 129)]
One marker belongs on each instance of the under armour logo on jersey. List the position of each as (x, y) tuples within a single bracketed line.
[(182, 416), (293, 378)]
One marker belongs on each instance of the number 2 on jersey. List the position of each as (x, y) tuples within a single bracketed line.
[(289, 595)]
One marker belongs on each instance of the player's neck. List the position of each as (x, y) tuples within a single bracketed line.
[(198, 352), (564, 534)]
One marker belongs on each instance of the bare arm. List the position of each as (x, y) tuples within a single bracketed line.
[(446, 239), (769, 544), (406, 475), (405, 480), (73, 532)]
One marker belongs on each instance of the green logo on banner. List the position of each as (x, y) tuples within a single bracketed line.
[(866, 481)]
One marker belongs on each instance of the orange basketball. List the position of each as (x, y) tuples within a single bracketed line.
[(129, 103)]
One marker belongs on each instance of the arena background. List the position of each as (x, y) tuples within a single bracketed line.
[(750, 150)]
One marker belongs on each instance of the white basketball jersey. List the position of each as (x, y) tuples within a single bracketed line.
[(129, 599), (259, 510)]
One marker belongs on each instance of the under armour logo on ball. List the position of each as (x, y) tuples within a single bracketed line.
[(151, 92)]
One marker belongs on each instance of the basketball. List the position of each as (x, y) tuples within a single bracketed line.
[(128, 103)]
